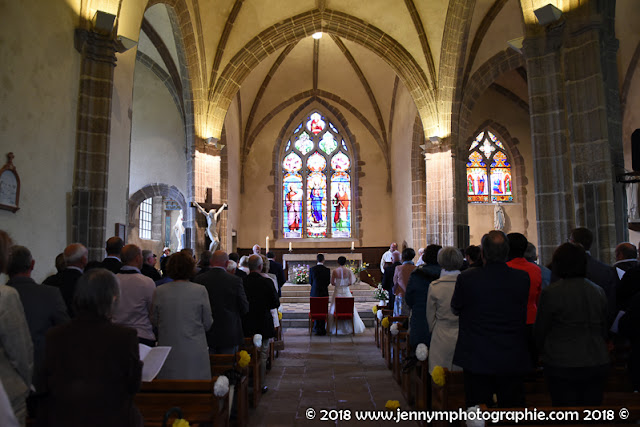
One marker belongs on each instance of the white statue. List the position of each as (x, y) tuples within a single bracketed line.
[(178, 229), (498, 217), (632, 202), (212, 224)]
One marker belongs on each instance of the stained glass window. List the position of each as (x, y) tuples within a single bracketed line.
[(489, 176), (316, 181)]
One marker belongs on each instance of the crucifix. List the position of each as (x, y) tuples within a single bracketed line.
[(212, 212)]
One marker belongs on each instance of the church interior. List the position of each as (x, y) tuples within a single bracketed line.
[(163, 103)]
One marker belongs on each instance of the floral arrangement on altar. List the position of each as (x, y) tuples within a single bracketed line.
[(357, 269), (300, 274), (381, 294)]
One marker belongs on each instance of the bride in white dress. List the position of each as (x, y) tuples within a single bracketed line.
[(342, 278)]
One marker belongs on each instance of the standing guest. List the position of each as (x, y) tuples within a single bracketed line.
[(75, 257), (16, 348), (136, 293), (443, 324), (243, 265), (43, 305), (181, 312), (148, 265), (92, 367), (571, 331), (276, 268), (272, 277), (228, 304), (60, 265), (401, 280), (416, 296), (492, 337), (626, 258), (420, 260), (388, 256), (387, 277), (319, 278), (233, 256), (166, 252), (204, 264), (473, 256), (598, 272), (517, 247), (112, 262), (231, 267), (256, 249), (262, 298), (531, 255)]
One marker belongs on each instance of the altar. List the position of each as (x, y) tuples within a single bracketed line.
[(289, 261)]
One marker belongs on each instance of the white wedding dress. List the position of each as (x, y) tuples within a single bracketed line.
[(342, 284)]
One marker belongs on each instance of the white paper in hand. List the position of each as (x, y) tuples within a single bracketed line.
[(153, 358)]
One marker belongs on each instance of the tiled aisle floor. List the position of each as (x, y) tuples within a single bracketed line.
[(328, 372)]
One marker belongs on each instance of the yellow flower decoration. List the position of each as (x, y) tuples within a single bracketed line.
[(438, 376), (392, 405), (279, 315), (385, 322), (180, 423), (244, 359), (375, 309)]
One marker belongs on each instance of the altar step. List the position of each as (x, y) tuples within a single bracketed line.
[(301, 320), (362, 292)]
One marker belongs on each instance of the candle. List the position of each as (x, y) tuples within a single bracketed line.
[(289, 246), (267, 245), (351, 245)]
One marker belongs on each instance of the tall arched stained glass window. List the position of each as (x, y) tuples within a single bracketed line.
[(489, 177), (316, 181)]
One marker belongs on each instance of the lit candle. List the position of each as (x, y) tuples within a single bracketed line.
[(352, 246), (267, 245), (289, 246)]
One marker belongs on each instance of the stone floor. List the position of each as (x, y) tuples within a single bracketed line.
[(328, 372)]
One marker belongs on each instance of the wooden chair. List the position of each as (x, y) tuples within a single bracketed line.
[(318, 310), (343, 311)]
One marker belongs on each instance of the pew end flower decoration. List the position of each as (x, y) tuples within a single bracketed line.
[(243, 359), (394, 329), (392, 405), (385, 322), (375, 309), (379, 314), (221, 386), (438, 376), (257, 340), (381, 294), (279, 315), (181, 422), (422, 352)]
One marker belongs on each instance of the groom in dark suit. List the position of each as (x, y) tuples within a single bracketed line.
[(319, 277)]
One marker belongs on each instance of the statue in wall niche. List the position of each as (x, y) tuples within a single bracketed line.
[(498, 217), (212, 224), (178, 229)]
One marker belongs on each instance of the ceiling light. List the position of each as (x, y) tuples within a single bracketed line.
[(317, 35)]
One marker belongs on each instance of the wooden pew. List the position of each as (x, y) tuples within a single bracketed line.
[(449, 397), (194, 397), (378, 329), (388, 354), (254, 369), (399, 353), (422, 385), (220, 363), (383, 336)]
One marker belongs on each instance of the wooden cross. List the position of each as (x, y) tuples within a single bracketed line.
[(208, 202)]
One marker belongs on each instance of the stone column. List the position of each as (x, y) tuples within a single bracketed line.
[(576, 133), (92, 139)]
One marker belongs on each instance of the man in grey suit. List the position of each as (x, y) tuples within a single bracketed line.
[(43, 305), (228, 304)]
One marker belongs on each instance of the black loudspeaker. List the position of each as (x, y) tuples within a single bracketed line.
[(635, 150)]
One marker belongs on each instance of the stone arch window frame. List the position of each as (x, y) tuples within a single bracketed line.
[(513, 157), (150, 191), (300, 116)]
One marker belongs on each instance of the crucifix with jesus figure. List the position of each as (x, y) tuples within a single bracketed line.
[(212, 212)]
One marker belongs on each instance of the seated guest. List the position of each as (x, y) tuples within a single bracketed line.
[(136, 292), (112, 262), (16, 348), (233, 256), (400, 281), (629, 327), (43, 305), (262, 297), (228, 304), (148, 265), (204, 264), (387, 277), (416, 295), (571, 331), (473, 256), (92, 367), (443, 324), (181, 312), (60, 265)]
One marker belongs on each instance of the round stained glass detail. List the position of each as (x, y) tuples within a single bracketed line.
[(316, 162), (304, 144), (328, 143), (340, 162), (315, 124), (292, 163)]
